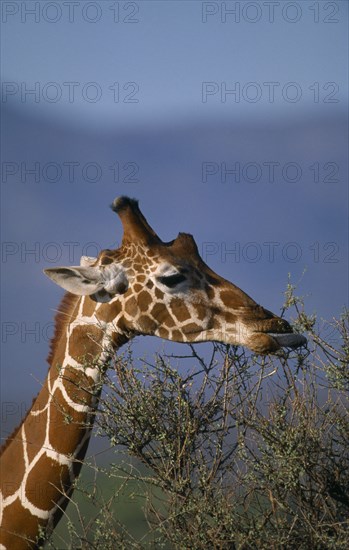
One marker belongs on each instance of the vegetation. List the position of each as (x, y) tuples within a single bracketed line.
[(232, 451)]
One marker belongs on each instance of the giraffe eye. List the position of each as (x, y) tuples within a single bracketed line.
[(172, 280)]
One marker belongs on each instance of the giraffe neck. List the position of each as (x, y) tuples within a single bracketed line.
[(44, 455)]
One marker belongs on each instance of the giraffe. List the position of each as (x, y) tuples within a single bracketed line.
[(145, 287)]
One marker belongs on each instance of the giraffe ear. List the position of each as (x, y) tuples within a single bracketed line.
[(82, 281)]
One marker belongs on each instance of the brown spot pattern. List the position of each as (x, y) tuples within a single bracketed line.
[(144, 300), (177, 336), (159, 312), (108, 312), (159, 294), (163, 333), (35, 433), (42, 494), (66, 425), (231, 299), (78, 385), (201, 311), (14, 455), (191, 327), (10, 520), (131, 306), (179, 309), (230, 317), (84, 342), (89, 307), (146, 324)]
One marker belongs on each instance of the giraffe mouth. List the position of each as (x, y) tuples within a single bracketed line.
[(288, 339)]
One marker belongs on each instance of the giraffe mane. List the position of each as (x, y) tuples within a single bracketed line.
[(62, 318)]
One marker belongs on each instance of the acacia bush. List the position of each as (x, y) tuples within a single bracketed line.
[(230, 451)]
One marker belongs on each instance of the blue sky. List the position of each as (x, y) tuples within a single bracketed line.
[(171, 138), (168, 49)]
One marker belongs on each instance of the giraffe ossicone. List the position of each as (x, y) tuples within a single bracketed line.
[(144, 287)]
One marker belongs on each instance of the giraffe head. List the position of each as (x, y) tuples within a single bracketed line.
[(150, 287)]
